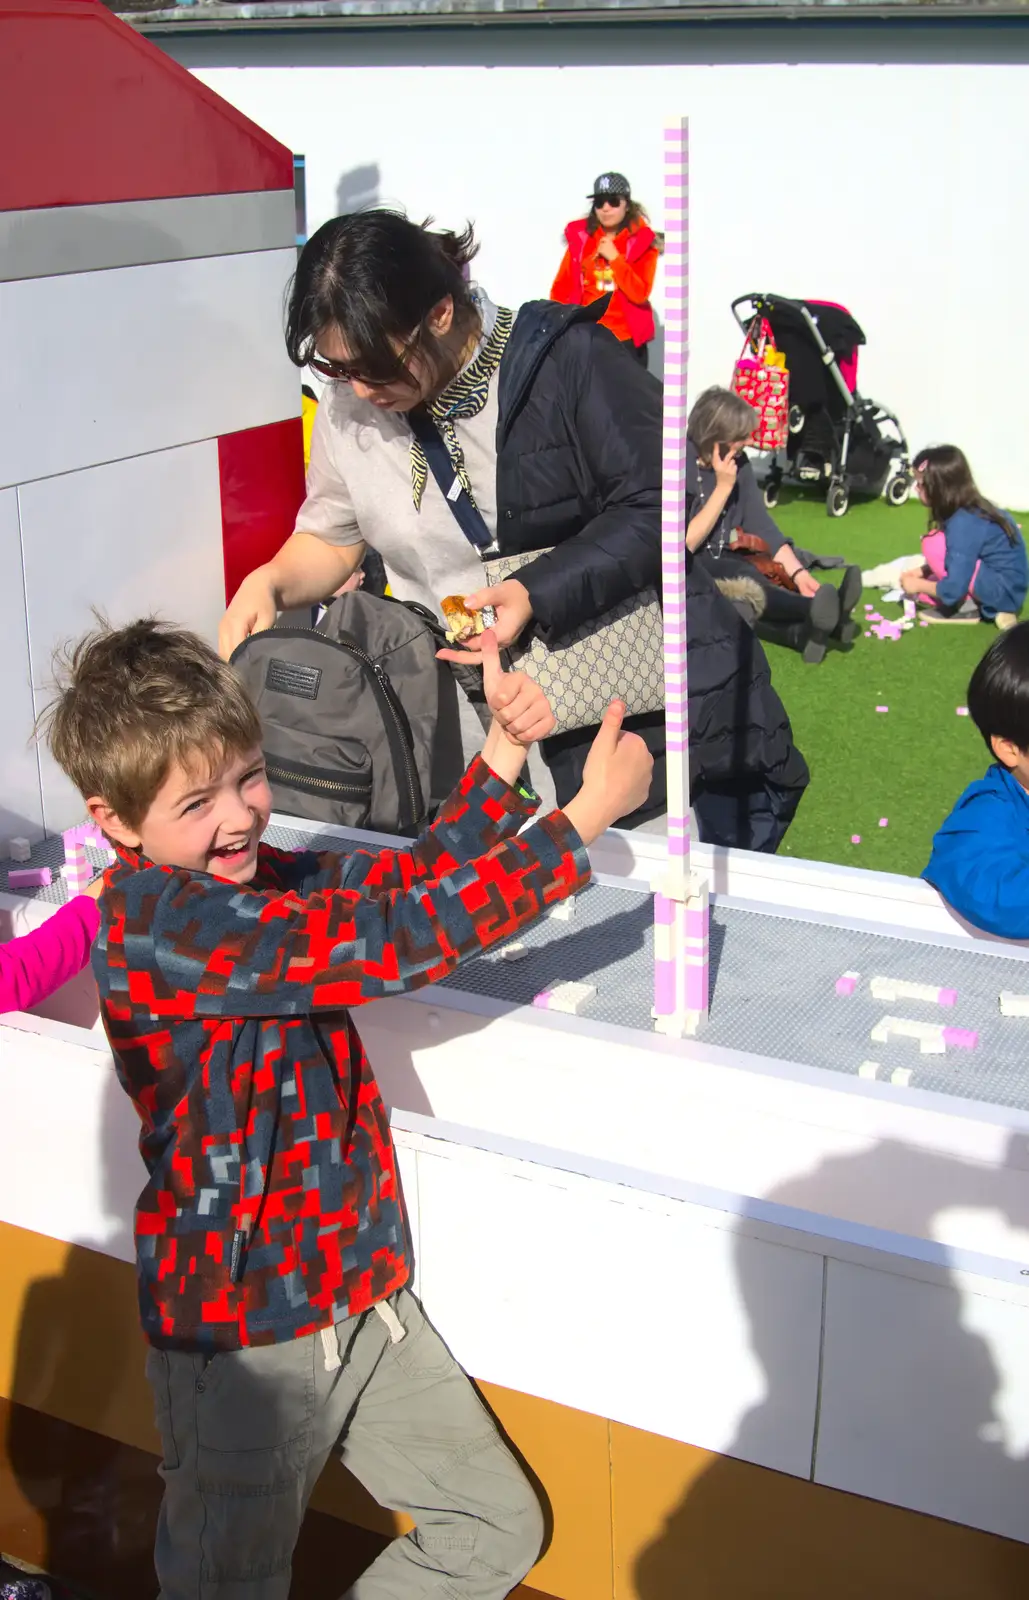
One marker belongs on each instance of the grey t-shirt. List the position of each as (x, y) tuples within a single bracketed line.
[(359, 490)]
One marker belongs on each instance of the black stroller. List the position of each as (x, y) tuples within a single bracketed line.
[(838, 441)]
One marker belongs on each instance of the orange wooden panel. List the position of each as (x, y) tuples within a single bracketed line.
[(691, 1523), (70, 1343), (566, 1453)]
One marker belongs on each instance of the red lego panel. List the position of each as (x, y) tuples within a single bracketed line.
[(262, 488), (91, 112)]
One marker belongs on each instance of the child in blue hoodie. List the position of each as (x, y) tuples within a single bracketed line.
[(980, 859)]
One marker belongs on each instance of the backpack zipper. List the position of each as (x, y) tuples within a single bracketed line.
[(297, 777), (398, 730)]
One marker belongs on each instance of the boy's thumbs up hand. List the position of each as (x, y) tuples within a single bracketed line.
[(615, 779)]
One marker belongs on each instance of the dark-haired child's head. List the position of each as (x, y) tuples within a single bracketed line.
[(998, 700), (163, 742)]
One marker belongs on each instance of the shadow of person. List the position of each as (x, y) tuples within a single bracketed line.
[(79, 1392), (358, 189), (910, 1414)]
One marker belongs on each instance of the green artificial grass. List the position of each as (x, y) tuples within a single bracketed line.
[(908, 764)]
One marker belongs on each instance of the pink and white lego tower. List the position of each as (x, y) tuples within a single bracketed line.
[(681, 910), (150, 443)]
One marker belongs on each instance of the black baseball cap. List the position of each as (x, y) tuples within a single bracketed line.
[(613, 184)]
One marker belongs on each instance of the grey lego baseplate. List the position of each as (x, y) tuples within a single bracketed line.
[(48, 853), (772, 985)]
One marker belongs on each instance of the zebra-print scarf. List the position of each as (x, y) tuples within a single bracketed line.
[(464, 396)]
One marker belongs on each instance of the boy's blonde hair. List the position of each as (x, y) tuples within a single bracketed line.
[(131, 701)]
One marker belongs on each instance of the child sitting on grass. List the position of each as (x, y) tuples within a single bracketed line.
[(975, 560), (980, 858), (271, 1237)]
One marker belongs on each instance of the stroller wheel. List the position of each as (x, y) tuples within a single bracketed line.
[(897, 489), (838, 499), (796, 423), (771, 493)]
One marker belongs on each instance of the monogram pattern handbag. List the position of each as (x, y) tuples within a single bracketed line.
[(616, 656)]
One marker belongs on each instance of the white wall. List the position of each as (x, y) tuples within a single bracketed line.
[(894, 189)]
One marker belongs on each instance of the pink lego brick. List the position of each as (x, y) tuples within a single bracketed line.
[(961, 1038), (947, 997), (28, 877), (855, 838), (847, 983), (882, 708), (884, 822), (961, 711)]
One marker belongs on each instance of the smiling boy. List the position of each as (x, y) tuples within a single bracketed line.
[(271, 1236)]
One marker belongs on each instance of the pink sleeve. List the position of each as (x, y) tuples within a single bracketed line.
[(33, 966)]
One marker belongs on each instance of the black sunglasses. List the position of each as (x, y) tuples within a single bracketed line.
[(608, 200), (346, 372)]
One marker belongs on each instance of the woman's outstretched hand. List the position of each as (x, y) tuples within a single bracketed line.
[(513, 608)]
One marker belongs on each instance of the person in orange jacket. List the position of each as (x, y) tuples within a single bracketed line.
[(612, 251)]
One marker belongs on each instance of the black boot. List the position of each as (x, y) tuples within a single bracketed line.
[(847, 630), (823, 619)]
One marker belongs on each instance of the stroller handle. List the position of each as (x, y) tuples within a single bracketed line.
[(756, 301)]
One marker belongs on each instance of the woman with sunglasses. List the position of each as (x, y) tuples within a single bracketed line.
[(612, 252), (752, 561), (554, 439)]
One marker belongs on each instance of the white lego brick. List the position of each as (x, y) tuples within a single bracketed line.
[(20, 849), (563, 912), (1013, 1005), (514, 952), (929, 1034), (569, 998), (868, 1069), (893, 989), (901, 1077)]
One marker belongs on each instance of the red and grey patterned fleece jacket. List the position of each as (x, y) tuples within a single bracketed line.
[(272, 1208)]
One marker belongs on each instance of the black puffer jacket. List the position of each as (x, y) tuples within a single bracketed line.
[(579, 467)]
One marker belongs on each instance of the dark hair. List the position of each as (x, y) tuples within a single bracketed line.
[(634, 213), (375, 276), (998, 695), (949, 487)]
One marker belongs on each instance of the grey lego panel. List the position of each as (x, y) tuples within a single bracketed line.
[(772, 984), (47, 853)]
